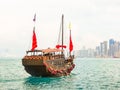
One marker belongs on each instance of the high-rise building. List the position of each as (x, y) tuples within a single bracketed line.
[(111, 47), (116, 49), (103, 49), (97, 51)]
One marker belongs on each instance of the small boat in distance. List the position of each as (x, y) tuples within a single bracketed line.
[(48, 62)]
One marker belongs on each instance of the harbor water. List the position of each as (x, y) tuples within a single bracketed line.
[(88, 74)]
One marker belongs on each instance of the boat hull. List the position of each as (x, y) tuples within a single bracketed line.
[(37, 71), (47, 68), (35, 67)]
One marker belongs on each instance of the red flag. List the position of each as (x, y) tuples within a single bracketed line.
[(34, 19), (70, 44), (34, 40)]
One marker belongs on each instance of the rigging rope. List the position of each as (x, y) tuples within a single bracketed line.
[(59, 33)]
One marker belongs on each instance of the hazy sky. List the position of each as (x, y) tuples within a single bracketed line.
[(93, 21)]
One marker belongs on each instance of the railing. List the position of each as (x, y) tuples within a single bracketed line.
[(48, 57), (33, 57)]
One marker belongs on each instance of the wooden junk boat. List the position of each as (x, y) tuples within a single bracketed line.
[(50, 61)]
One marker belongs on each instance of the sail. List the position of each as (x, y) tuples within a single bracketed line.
[(70, 43), (34, 40)]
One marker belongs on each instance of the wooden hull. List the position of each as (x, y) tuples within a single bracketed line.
[(35, 67), (37, 71), (47, 68)]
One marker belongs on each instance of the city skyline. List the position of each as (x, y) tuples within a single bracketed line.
[(105, 49)]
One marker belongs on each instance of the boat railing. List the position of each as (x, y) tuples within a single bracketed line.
[(33, 57), (44, 57), (52, 57), (59, 56)]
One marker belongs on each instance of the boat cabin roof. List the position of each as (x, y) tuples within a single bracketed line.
[(49, 50)]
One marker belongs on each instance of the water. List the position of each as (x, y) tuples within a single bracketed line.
[(89, 74)]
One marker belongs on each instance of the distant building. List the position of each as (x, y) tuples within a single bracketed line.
[(97, 51), (105, 48), (116, 49), (111, 47), (83, 53), (101, 49), (91, 52)]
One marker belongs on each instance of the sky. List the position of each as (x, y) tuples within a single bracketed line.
[(92, 22)]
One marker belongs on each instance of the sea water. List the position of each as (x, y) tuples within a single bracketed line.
[(88, 74)]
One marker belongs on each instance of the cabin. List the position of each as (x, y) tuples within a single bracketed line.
[(44, 54)]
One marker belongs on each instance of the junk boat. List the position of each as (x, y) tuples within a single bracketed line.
[(51, 61)]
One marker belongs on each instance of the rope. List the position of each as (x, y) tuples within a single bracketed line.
[(59, 33)]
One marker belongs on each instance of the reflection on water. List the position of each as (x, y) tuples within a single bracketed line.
[(47, 82), (40, 80)]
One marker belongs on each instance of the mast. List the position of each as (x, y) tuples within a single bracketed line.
[(34, 20), (70, 43), (34, 39), (62, 31)]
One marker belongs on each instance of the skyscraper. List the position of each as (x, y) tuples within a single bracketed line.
[(103, 49), (111, 47), (97, 51)]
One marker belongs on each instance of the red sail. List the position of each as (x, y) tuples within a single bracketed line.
[(34, 40), (70, 44)]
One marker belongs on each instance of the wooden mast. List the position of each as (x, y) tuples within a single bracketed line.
[(62, 31)]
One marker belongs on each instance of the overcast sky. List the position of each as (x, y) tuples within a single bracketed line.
[(93, 21)]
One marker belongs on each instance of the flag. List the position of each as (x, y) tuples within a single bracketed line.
[(34, 40), (34, 19), (70, 44)]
